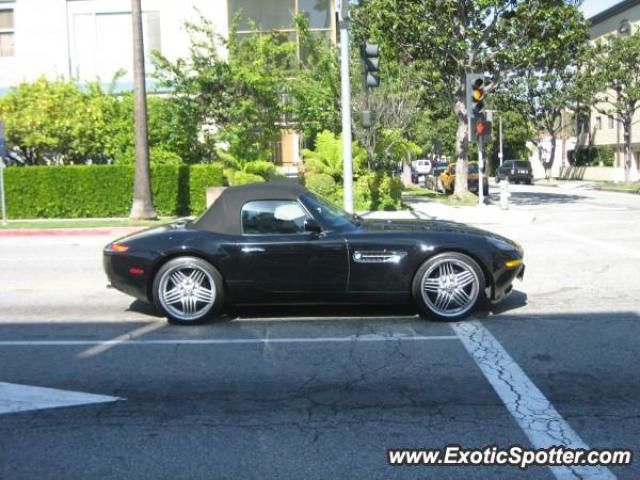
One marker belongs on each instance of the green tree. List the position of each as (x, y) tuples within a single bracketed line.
[(56, 122), (615, 75), (395, 106), (446, 39), (327, 156)]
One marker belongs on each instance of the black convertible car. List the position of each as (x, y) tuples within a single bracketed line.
[(278, 243)]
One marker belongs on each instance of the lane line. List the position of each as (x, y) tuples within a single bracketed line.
[(535, 415), (223, 341), (114, 342)]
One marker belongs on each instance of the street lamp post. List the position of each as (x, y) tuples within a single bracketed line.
[(342, 10)]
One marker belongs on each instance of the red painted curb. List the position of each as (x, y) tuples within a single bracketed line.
[(69, 232)]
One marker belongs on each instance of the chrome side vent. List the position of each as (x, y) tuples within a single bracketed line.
[(381, 256)]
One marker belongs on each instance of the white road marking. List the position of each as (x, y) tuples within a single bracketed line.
[(20, 398), (537, 417), (224, 341), (138, 332)]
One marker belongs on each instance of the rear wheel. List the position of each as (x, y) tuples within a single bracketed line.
[(188, 290), (448, 286)]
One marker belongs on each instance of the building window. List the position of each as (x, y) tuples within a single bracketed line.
[(7, 33), (598, 123), (610, 117), (101, 43), (270, 15)]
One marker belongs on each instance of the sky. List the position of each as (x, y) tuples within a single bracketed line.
[(591, 7)]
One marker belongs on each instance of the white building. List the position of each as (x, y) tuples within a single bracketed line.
[(91, 39), (620, 19)]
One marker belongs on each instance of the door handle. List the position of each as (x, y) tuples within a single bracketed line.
[(252, 249)]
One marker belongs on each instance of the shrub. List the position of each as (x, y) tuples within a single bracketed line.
[(377, 191), (261, 168), (104, 191), (158, 155), (321, 183), (242, 178), (200, 178)]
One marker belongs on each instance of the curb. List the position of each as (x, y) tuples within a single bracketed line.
[(70, 232)]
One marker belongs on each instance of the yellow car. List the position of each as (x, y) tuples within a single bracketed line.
[(448, 179)]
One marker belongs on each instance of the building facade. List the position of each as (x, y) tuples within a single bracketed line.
[(87, 40), (621, 19)]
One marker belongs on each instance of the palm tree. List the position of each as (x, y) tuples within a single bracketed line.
[(142, 207)]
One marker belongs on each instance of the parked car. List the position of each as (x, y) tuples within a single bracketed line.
[(279, 243), (432, 180), (448, 179), (515, 171), (420, 168)]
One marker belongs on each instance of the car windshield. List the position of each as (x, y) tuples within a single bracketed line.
[(330, 215), (522, 164), (473, 168)]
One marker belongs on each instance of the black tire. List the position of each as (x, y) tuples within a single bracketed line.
[(426, 308), (211, 277), (529, 181)]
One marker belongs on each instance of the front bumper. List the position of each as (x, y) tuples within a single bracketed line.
[(503, 284)]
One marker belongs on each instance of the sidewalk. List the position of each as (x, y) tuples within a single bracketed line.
[(114, 232), (430, 210), (478, 215)]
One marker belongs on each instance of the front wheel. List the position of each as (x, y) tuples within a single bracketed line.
[(448, 286), (188, 290)]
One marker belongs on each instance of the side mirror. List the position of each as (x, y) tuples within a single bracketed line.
[(310, 225)]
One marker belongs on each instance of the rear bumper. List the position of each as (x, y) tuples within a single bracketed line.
[(117, 267)]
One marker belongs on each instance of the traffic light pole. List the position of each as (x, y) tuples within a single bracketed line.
[(345, 82), (480, 165)]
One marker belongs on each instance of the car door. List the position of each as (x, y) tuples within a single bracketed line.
[(276, 256)]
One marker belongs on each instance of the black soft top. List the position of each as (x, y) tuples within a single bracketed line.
[(223, 216)]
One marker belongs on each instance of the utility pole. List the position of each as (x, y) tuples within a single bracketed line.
[(500, 133), (342, 10), (3, 153), (142, 207)]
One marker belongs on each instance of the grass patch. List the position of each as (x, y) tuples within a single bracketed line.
[(423, 192), (84, 223), (620, 187), (467, 199)]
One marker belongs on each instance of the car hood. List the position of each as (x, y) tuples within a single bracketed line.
[(430, 226)]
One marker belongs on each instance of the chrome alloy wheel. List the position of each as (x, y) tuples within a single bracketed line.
[(450, 287), (187, 292)]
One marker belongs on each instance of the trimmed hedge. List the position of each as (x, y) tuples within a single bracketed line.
[(76, 191)]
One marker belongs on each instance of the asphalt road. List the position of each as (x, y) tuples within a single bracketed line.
[(323, 393)]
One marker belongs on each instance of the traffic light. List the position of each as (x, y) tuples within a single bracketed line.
[(370, 53), (476, 86), (480, 127), (476, 89)]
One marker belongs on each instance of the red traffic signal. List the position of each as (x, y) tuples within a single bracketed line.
[(481, 127)]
